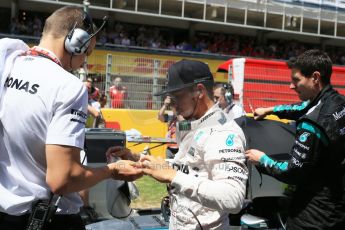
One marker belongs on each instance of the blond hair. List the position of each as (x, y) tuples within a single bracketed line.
[(62, 21)]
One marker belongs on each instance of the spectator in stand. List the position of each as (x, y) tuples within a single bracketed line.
[(125, 41), (94, 107), (37, 27), (179, 46), (117, 39), (152, 37), (172, 46), (224, 95), (112, 35), (14, 26), (94, 91), (141, 39), (201, 45), (102, 37), (118, 27), (118, 94), (156, 44), (132, 41), (171, 120), (103, 100), (149, 102), (22, 28)]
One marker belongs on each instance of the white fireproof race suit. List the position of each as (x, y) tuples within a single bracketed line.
[(211, 178)]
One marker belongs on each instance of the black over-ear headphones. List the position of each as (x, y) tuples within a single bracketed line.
[(78, 40)]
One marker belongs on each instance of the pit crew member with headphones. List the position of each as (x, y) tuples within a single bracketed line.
[(224, 95), (43, 114)]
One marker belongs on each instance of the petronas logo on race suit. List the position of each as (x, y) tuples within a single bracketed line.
[(230, 140), (304, 137)]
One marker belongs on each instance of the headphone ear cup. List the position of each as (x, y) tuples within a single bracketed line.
[(228, 97), (77, 41)]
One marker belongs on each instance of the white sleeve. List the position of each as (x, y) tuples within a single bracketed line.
[(225, 160), (238, 111), (96, 105), (69, 117)]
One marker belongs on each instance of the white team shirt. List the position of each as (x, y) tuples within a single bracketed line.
[(43, 104), (234, 111)]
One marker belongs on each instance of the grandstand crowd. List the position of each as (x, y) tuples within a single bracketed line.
[(154, 37)]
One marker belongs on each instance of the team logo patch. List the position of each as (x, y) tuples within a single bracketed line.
[(304, 137), (78, 116), (222, 120), (230, 140), (339, 114), (184, 126), (199, 135), (206, 117), (191, 151), (229, 151)]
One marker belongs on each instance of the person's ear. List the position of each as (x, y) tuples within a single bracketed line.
[(316, 77), (199, 90)]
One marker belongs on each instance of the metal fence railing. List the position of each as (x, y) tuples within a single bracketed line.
[(141, 78)]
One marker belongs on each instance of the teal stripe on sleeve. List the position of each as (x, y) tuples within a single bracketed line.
[(268, 162), (315, 130), (297, 107)]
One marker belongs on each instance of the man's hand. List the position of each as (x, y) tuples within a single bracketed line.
[(254, 155), (158, 168), (93, 111), (121, 152), (167, 101), (126, 170), (261, 113)]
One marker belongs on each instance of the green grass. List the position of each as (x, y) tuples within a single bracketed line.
[(151, 193)]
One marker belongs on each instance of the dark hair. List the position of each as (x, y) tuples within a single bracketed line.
[(311, 61), (225, 87), (209, 88)]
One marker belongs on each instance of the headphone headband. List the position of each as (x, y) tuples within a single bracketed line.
[(95, 33), (87, 22), (77, 40)]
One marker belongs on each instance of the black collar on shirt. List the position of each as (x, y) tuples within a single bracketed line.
[(328, 89)]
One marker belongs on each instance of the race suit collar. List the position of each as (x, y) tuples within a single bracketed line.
[(185, 127), (229, 107), (194, 124)]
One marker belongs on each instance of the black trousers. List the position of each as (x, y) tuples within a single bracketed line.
[(65, 222)]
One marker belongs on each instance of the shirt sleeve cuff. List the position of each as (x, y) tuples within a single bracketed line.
[(264, 159), (69, 141), (276, 108), (180, 181)]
